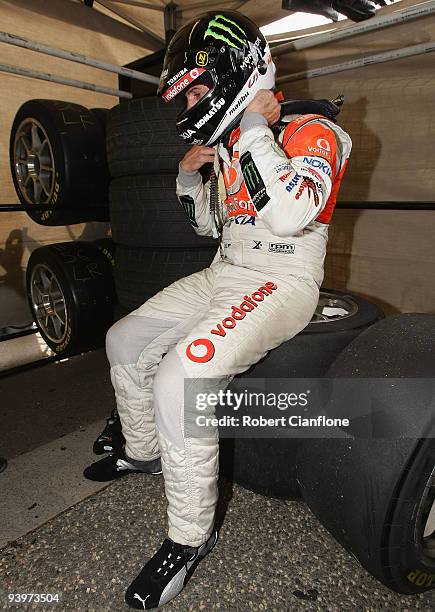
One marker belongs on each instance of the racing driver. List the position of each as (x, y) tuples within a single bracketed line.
[(268, 201)]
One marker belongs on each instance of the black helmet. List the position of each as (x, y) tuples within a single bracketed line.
[(226, 51)]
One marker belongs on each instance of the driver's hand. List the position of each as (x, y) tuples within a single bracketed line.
[(197, 156), (266, 104)]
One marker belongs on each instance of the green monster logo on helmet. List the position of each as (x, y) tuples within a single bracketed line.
[(226, 31)]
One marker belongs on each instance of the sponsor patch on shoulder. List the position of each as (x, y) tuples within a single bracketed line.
[(283, 167), (293, 183), (253, 181), (189, 206), (320, 164), (311, 186)]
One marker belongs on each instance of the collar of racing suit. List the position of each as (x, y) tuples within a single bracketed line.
[(290, 109), (328, 109)]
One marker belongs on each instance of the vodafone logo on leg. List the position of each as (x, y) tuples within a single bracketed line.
[(202, 350)]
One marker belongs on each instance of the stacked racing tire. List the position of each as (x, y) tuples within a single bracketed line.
[(155, 243), (59, 168), (71, 294), (58, 162)]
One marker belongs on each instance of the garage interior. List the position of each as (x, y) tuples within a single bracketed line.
[(85, 541)]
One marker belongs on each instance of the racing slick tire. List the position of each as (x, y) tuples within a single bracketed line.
[(268, 465), (141, 273), (58, 163), (102, 115), (145, 212), (107, 247), (376, 495), (71, 294), (142, 138)]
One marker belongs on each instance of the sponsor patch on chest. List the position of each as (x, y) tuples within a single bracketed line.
[(243, 220)]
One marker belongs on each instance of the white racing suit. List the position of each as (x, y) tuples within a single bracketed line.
[(277, 196)]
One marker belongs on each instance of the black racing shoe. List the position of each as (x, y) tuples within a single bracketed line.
[(116, 466), (110, 439), (166, 574)]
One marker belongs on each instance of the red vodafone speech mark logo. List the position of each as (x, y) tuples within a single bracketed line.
[(204, 342), (182, 83), (322, 143)]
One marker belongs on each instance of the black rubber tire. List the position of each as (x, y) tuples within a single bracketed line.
[(107, 247), (79, 192), (141, 273), (145, 212), (85, 277), (103, 214), (365, 313), (268, 465), (142, 138), (120, 312), (312, 351), (368, 492), (102, 115)]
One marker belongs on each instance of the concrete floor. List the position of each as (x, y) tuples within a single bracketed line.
[(86, 542)]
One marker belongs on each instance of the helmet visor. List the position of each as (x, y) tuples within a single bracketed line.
[(185, 81), (205, 78), (186, 65)]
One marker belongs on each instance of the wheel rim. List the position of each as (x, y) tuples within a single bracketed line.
[(331, 308), (34, 162), (49, 304), (428, 520)]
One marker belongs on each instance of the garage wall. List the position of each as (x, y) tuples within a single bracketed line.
[(72, 26), (385, 255)]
